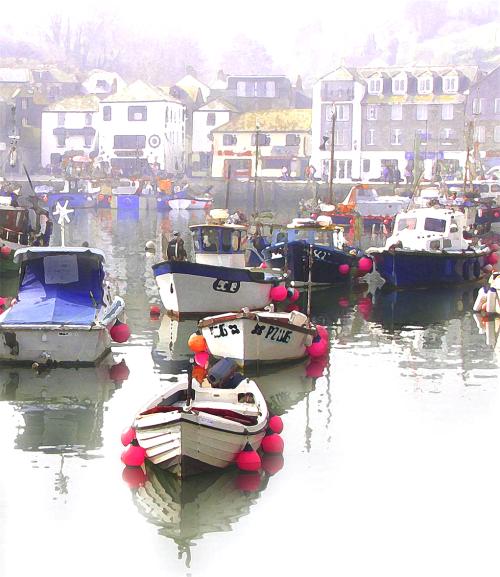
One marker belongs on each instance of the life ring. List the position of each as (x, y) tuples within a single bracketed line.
[(154, 141)]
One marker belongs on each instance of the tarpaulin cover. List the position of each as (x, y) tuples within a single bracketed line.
[(75, 299)]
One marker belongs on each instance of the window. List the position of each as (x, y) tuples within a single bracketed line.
[(209, 240), (106, 113), (102, 84), (497, 105), (478, 105), (292, 140), (88, 137), (129, 141), (211, 119), (260, 88), (264, 139), (270, 89), (450, 84), (342, 111), (496, 134), (399, 85), (341, 137), (61, 118), (407, 224), (396, 136), (435, 224), (366, 165), (139, 113), (229, 139), (375, 86), (396, 112), (88, 119), (240, 88), (370, 137), (24, 103), (422, 135), (480, 134), (371, 113), (421, 111), (447, 112), (61, 140), (446, 134), (425, 85)]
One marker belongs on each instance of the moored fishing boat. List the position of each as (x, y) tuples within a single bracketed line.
[(428, 248), (258, 336), (64, 311), (194, 427), (217, 281)]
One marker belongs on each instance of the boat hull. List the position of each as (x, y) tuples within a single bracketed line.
[(71, 345), (198, 289), (419, 269), (189, 443), (256, 340)]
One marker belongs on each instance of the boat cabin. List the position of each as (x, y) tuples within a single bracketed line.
[(313, 232), (429, 229), (220, 244)]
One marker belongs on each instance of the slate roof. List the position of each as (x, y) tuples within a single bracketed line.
[(87, 103), (140, 91), (276, 120), (218, 104)]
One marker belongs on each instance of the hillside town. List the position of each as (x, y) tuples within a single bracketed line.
[(380, 118)]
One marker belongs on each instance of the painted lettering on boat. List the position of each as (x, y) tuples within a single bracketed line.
[(320, 254), (223, 330), (276, 334), (226, 286)]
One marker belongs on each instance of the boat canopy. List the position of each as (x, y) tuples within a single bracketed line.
[(219, 238), (36, 252)]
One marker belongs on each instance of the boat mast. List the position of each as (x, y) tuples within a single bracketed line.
[(257, 134), (332, 154)]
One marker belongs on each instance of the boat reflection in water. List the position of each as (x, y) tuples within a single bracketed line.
[(62, 409), (170, 351), (421, 308), (186, 509)]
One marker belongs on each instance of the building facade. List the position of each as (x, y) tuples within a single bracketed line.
[(278, 139), (140, 126)]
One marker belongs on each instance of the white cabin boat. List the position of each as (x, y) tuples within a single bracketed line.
[(64, 308), (365, 200), (189, 436), (258, 336)]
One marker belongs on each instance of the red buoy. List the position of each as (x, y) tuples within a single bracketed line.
[(248, 459), (5, 251), (119, 372), (276, 424), (154, 311), (134, 455), (272, 463), (248, 482), (492, 258), (128, 435), (135, 477), (197, 343), (278, 293), (343, 302), (494, 247), (120, 332), (272, 444)]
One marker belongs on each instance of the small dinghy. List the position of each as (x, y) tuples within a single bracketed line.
[(64, 308), (258, 336), (196, 427)]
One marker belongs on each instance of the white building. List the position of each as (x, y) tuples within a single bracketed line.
[(103, 83), (141, 125), (69, 125), (207, 118)]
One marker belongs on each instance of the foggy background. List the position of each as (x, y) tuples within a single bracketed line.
[(159, 41)]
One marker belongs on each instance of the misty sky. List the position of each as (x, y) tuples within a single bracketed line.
[(294, 33)]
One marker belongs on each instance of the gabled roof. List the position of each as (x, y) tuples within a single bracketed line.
[(87, 103), (341, 73), (139, 91), (192, 86), (219, 104), (276, 120)]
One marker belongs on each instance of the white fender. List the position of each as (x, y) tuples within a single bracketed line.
[(480, 299), (491, 301)]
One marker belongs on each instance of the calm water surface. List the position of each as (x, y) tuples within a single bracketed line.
[(391, 463)]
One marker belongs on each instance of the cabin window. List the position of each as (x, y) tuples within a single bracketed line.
[(209, 240), (407, 224), (60, 269), (435, 224), (227, 235), (236, 241), (434, 245)]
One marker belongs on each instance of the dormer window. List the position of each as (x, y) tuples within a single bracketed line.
[(425, 85), (450, 84), (399, 85), (375, 86)]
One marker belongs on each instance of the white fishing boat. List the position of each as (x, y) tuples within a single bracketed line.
[(195, 427), (190, 202), (64, 308), (218, 280), (365, 200), (258, 336)]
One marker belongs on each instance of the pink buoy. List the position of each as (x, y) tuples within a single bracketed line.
[(316, 368), (3, 301), (134, 455), (263, 265), (322, 332), (135, 477), (201, 359), (273, 444), (343, 302), (278, 293), (248, 459), (295, 296), (120, 332), (128, 435), (276, 424), (344, 269), (317, 349), (248, 482), (5, 251), (365, 265), (272, 463)]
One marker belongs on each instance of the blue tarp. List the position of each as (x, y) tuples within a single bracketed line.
[(58, 303)]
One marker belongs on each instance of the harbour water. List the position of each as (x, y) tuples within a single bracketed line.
[(391, 463)]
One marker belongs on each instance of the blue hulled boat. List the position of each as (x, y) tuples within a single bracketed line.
[(332, 260), (428, 248)]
